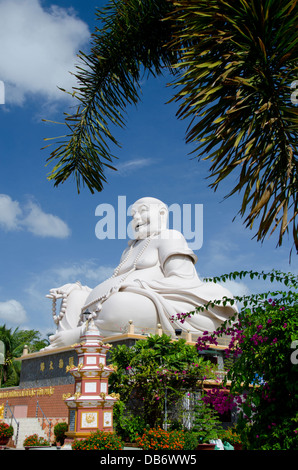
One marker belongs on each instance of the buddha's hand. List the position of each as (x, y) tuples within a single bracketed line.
[(64, 338)]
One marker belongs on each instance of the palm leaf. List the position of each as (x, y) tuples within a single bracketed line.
[(243, 120), (131, 40)]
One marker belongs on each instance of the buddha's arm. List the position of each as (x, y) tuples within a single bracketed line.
[(179, 265), (178, 270)]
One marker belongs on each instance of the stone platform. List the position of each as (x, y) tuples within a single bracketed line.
[(49, 367)]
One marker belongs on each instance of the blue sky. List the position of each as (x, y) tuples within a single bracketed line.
[(47, 234)]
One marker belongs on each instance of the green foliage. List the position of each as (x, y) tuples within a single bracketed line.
[(190, 440), (31, 338), (131, 38), (126, 424), (238, 61), (35, 441), (14, 342), (59, 431), (206, 423), (99, 440), (233, 64), (157, 371), (263, 343)]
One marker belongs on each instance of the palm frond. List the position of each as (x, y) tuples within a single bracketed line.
[(238, 60), (131, 40)]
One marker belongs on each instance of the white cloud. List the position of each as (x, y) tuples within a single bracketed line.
[(32, 218), (9, 213), (132, 165), (44, 225), (12, 312), (38, 49), (236, 288), (85, 272), (88, 272)]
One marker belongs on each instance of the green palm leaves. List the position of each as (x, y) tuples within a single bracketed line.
[(239, 60), (130, 42), (233, 64)]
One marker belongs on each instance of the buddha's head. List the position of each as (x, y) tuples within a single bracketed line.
[(149, 216)]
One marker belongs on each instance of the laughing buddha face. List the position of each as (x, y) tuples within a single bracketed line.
[(149, 216)]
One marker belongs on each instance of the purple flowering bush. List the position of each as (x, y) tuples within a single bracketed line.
[(222, 400), (263, 352)]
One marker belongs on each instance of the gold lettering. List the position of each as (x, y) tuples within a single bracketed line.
[(28, 392), (65, 396)]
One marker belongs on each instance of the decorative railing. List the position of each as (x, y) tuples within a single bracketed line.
[(38, 407), (12, 417), (131, 328)]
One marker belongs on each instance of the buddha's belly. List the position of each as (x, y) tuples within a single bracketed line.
[(103, 290), (154, 273)]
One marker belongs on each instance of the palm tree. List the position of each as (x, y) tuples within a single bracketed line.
[(14, 342), (232, 65), (10, 370)]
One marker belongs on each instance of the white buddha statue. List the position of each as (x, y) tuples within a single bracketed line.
[(155, 280)]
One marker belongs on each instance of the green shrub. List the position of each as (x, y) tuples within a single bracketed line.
[(190, 440), (59, 431), (207, 425), (127, 425)]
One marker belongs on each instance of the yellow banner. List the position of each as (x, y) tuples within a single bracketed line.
[(27, 392)]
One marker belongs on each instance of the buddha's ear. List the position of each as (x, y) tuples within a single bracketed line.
[(163, 212)]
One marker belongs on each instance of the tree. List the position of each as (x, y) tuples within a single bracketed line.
[(264, 375), (14, 342), (232, 64), (31, 338), (157, 372)]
